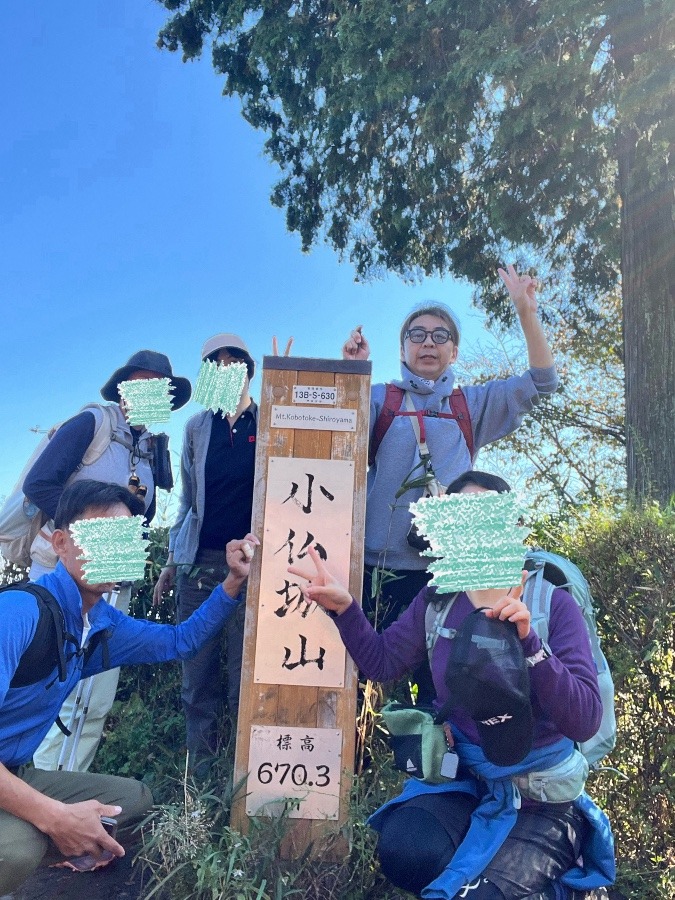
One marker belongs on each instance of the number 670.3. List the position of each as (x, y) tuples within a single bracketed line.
[(299, 776)]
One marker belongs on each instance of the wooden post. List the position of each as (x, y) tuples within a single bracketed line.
[(297, 712)]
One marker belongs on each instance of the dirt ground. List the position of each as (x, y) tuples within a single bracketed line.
[(118, 881)]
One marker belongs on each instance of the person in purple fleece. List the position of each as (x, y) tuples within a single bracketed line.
[(421, 831)]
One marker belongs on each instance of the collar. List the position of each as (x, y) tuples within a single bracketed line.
[(440, 388), (62, 586), (251, 409)]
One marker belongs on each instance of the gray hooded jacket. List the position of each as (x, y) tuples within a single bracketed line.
[(496, 408)]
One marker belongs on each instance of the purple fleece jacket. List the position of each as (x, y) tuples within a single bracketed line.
[(563, 689)]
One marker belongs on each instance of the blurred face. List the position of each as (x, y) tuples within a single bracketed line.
[(138, 375), (428, 360), (68, 552)]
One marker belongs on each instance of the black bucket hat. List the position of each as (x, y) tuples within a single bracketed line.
[(153, 362), (487, 676)]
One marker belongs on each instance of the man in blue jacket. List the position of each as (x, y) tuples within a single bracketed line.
[(48, 816)]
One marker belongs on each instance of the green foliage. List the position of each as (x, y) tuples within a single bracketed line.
[(193, 853), (428, 137), (424, 136), (629, 560)]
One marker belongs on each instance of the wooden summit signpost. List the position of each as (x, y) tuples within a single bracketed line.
[(295, 738)]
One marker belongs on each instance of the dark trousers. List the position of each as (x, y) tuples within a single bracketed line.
[(419, 838), (395, 596), (204, 689)]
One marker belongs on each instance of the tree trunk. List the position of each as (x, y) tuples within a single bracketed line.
[(648, 287)]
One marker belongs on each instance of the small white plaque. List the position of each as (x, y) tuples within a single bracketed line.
[(295, 771), (305, 393), (317, 419)]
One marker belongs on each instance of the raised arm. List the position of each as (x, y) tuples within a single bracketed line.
[(523, 293), (382, 657), (356, 346)]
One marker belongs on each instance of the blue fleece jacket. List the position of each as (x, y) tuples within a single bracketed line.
[(27, 713), (496, 408)]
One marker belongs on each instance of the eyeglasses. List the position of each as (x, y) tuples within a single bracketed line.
[(136, 487), (419, 335)]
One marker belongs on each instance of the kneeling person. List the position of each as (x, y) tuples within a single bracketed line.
[(51, 816)]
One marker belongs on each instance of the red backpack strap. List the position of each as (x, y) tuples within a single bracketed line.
[(460, 411), (393, 397)]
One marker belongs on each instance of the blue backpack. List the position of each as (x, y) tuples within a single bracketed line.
[(548, 571)]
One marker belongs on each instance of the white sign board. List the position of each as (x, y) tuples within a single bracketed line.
[(317, 419), (306, 393), (295, 771), (308, 503)]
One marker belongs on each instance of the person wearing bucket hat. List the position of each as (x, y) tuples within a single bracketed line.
[(216, 499), (148, 364), (513, 708), (99, 443)]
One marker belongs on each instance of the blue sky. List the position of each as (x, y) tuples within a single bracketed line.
[(134, 213)]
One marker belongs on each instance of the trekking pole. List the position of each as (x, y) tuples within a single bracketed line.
[(88, 687), (71, 725), (82, 699)]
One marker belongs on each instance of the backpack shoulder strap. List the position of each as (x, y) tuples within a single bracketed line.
[(393, 398), (47, 648), (537, 595), (100, 639), (433, 623), (106, 420), (460, 411)]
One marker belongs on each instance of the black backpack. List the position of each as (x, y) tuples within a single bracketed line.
[(47, 651)]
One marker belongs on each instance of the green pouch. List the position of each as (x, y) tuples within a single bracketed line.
[(418, 743), (559, 784)]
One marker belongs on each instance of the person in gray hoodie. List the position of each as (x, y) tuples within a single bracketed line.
[(428, 348)]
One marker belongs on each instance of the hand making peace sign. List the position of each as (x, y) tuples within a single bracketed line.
[(322, 587)]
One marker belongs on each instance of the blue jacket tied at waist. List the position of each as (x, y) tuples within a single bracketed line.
[(495, 816)]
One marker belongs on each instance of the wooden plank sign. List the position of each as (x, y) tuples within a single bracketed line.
[(295, 737)]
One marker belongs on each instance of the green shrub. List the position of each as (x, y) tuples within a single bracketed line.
[(629, 560)]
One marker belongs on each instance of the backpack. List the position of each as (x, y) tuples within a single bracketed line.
[(21, 521), (548, 571), (47, 650), (393, 398)]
